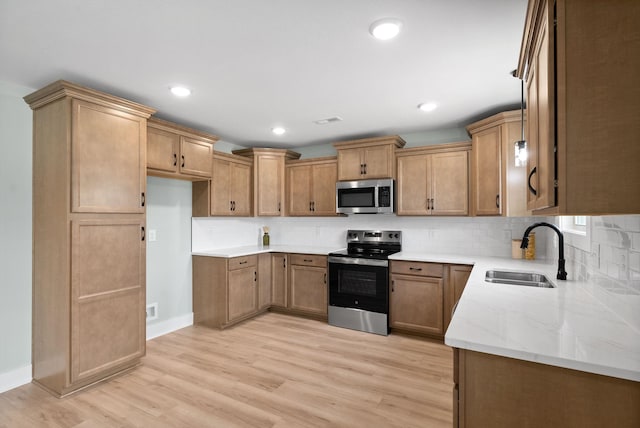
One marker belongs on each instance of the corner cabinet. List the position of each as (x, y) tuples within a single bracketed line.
[(433, 180), (89, 159), (368, 158), (311, 187), (579, 64), (174, 151), (498, 186), (268, 179)]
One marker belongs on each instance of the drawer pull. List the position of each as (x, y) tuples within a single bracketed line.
[(244, 262), (308, 260), (416, 269)]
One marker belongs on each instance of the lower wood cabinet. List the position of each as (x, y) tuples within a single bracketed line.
[(417, 297), (279, 280), (308, 283), (496, 391), (225, 290), (456, 280)]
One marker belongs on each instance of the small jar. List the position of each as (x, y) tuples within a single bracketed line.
[(265, 239), (530, 251), (516, 251)]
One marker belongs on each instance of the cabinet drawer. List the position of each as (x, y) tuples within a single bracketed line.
[(308, 260), (242, 262), (417, 268)]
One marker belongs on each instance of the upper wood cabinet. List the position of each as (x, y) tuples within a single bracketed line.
[(311, 187), (228, 193), (498, 186), (89, 156), (433, 180), (579, 64), (268, 179), (367, 158), (175, 151)]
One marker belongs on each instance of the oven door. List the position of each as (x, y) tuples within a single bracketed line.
[(359, 283)]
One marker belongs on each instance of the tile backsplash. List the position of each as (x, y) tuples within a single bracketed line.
[(447, 235), (610, 263)]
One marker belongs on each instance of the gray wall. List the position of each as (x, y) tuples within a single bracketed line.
[(15, 228)]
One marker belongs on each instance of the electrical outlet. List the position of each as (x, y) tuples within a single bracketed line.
[(153, 235), (152, 311)]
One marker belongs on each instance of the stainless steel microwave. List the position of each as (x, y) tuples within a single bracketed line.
[(365, 196)]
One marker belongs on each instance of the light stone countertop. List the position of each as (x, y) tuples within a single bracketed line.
[(563, 326)]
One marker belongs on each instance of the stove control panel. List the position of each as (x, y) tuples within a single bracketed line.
[(374, 236)]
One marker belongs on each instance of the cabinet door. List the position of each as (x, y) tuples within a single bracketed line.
[(220, 188), (107, 295), (270, 186), (279, 280), (487, 172), (458, 276), (242, 293), (449, 183), (299, 196), (350, 164), (264, 280), (162, 150), (417, 303), (308, 286), (540, 114), (412, 185), (108, 160), (195, 157), (378, 162), (323, 192), (240, 193)]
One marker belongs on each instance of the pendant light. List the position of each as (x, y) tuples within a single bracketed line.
[(521, 145)]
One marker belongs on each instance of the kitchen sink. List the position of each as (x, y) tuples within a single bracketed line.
[(528, 279)]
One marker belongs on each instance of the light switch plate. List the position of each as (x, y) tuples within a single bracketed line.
[(153, 236)]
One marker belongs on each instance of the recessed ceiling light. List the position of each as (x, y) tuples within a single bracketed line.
[(427, 107), (278, 130), (180, 91), (385, 29)]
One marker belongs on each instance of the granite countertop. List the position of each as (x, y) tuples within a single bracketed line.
[(563, 326)]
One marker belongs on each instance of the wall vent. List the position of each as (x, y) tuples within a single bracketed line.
[(152, 311), (328, 120)]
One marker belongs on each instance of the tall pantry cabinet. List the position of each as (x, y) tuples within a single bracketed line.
[(89, 178)]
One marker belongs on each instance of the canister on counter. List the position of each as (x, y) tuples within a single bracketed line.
[(530, 251), (516, 251)]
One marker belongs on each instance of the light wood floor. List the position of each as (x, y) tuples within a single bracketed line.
[(272, 371)]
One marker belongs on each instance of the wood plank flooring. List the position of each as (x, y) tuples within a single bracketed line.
[(272, 371)]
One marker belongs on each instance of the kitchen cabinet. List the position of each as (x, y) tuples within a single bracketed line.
[(457, 278), (279, 280), (311, 187), (433, 180), (498, 186), (417, 297), (264, 281), (225, 290), (582, 108), (89, 157), (495, 391), (228, 193), (308, 284), (268, 179), (174, 151), (367, 158)]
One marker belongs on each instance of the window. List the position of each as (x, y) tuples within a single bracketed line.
[(576, 231)]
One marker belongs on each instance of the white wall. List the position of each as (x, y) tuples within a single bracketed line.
[(169, 256), (15, 235), (445, 235)]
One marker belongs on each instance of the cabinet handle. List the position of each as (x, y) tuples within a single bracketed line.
[(308, 260), (361, 168), (255, 276), (143, 233), (175, 159), (497, 201), (433, 204), (314, 206), (244, 262), (365, 169), (278, 206), (416, 269), (531, 189), (182, 161), (428, 204), (142, 199), (393, 284), (325, 278), (234, 205), (284, 263), (310, 206)]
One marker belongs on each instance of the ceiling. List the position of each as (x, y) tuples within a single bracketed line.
[(256, 64)]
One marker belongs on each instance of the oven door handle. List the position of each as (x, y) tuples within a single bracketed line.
[(358, 261)]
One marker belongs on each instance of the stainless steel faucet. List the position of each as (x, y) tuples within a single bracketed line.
[(562, 274)]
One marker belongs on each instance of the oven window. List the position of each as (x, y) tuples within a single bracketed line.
[(359, 283), (358, 197)]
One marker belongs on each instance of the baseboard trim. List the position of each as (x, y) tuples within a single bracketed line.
[(167, 326), (15, 378)]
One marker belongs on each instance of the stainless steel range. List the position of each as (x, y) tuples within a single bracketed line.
[(359, 280)]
